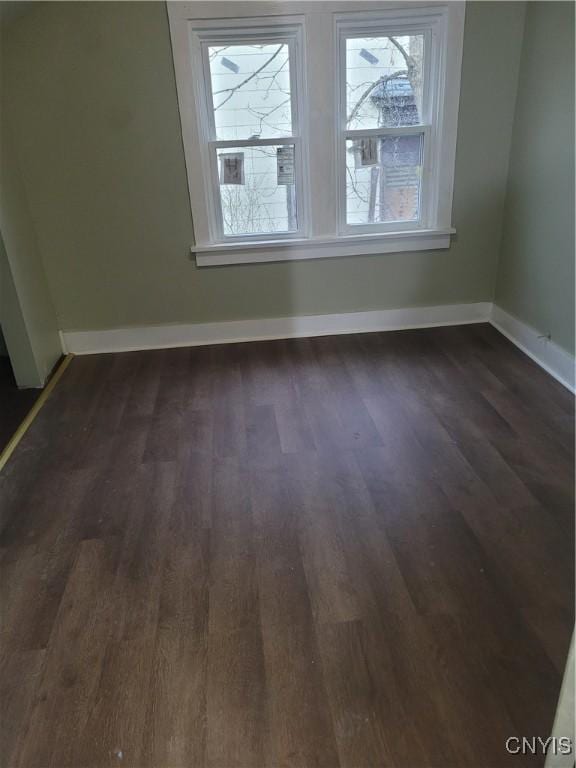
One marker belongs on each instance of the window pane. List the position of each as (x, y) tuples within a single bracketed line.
[(384, 81), (257, 190), (383, 177), (251, 91)]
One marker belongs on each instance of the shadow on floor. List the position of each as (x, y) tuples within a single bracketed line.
[(14, 403)]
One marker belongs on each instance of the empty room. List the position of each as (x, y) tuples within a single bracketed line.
[(287, 384)]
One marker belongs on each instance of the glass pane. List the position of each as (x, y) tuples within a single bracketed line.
[(251, 91), (257, 190), (383, 176), (384, 81)]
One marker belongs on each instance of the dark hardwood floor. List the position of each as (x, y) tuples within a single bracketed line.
[(350, 551), (14, 403)]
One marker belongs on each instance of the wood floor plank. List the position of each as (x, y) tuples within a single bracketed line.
[(72, 663), (175, 728), (363, 739), (301, 732), (20, 676), (501, 531), (233, 564), (345, 551), (237, 719), (40, 558), (116, 722), (333, 594)]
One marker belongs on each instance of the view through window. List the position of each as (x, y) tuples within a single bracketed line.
[(252, 102), (384, 93)]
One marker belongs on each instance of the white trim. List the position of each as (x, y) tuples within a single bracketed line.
[(548, 355), (321, 248), (167, 336)]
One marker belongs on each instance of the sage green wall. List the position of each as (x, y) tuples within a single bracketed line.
[(28, 317), (14, 328), (536, 272), (26, 274), (94, 102)]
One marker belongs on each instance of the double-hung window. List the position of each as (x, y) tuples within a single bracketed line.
[(248, 104), (327, 131), (384, 124)]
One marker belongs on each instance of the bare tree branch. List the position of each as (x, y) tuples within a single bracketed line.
[(409, 72), (217, 51), (410, 63), (232, 91), (272, 78), (384, 79), (263, 116), (354, 187)]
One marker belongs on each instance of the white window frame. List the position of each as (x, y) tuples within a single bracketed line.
[(257, 30), (386, 25), (317, 31)]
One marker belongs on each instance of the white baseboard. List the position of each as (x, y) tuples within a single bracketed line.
[(166, 336), (555, 360)]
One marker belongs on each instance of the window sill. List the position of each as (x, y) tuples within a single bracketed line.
[(321, 248)]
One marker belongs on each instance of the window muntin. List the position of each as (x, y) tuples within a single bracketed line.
[(385, 119), (252, 133)]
